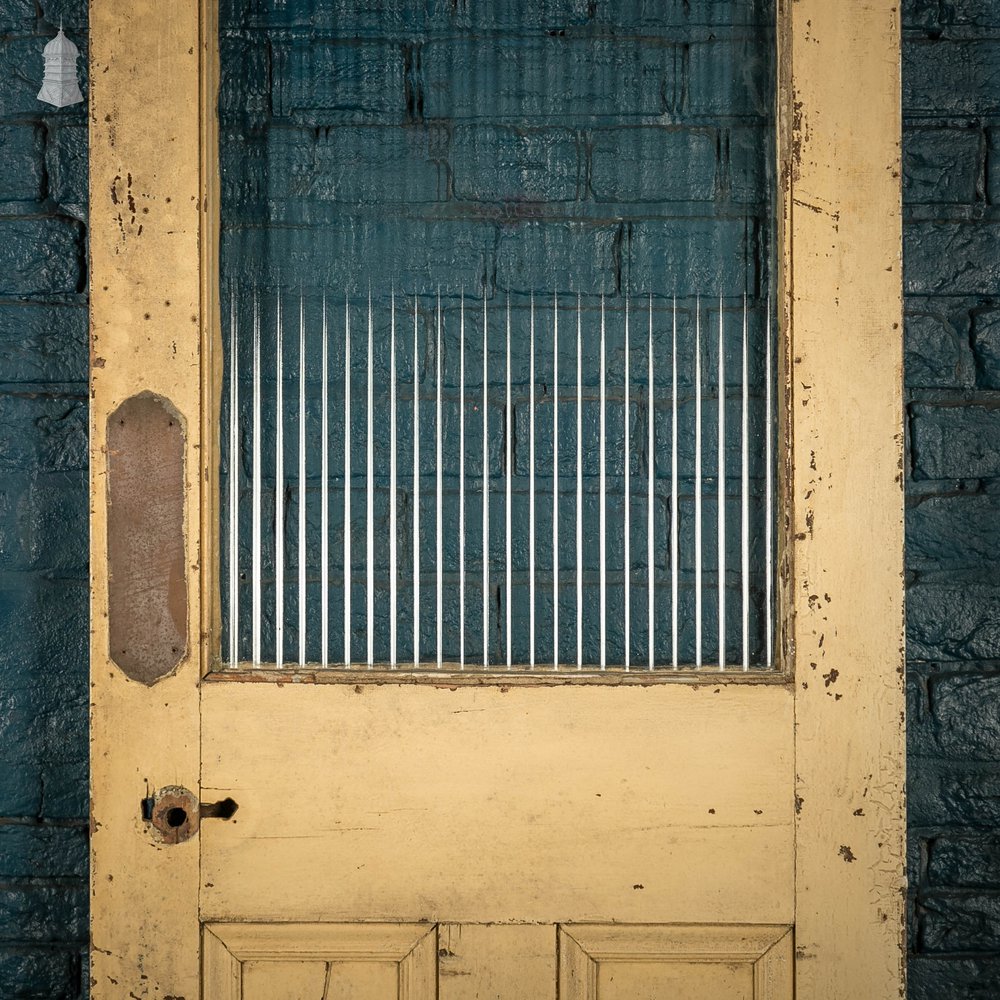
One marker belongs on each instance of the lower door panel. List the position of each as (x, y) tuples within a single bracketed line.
[(497, 962)]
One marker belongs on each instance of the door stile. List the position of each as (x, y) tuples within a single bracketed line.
[(152, 244), (842, 307)]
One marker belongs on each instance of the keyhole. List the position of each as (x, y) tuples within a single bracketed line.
[(176, 817)]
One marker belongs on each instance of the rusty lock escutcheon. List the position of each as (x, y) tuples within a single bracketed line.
[(175, 813)]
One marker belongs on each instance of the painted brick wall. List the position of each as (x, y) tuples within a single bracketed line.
[(952, 93), (43, 515), (951, 103)]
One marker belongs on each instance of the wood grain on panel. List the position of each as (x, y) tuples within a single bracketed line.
[(484, 805), (320, 962), (684, 962), (843, 317), (497, 961), (676, 980), (290, 981)]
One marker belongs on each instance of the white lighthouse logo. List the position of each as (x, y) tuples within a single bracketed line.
[(59, 86)]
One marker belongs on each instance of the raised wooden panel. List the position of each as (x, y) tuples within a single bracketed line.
[(362, 981), (677, 980), (497, 961), (684, 962), (288, 980), (320, 962)]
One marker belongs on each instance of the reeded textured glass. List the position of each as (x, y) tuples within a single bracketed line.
[(542, 235)]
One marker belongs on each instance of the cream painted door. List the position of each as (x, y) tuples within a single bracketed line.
[(606, 839)]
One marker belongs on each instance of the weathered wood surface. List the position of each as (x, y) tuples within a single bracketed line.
[(688, 962), (320, 962), (147, 220), (670, 803), (593, 803), (842, 296), (500, 961)]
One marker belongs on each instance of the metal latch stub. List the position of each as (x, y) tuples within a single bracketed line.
[(175, 813)]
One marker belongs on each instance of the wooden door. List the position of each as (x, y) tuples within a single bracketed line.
[(310, 836)]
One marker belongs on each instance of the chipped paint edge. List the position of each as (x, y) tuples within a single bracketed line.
[(149, 308), (841, 306)]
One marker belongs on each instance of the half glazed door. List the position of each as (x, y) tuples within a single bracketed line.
[(276, 831)]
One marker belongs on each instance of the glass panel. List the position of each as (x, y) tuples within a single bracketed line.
[(542, 232)]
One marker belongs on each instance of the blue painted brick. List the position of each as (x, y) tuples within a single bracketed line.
[(41, 343), (36, 730), (561, 256), (938, 354), (39, 974), (43, 913), (361, 165), (73, 13), (66, 163), (954, 441), (966, 715), (951, 258), (949, 541), (20, 76), (242, 171), (20, 787), (340, 18), (976, 13), (954, 533), (653, 164), (491, 164), (950, 978), (953, 622), (17, 17), (953, 922), (362, 79), (510, 15), (941, 165), (965, 861), (53, 788), (986, 347), (567, 15), (40, 257), (689, 256), (43, 433), (658, 14), (244, 83), (413, 254), (43, 666), (728, 76), (41, 618), (64, 781), (547, 79), (993, 166), (921, 737), (41, 851), (750, 174), (950, 77), (922, 13), (313, 173), (44, 522), (23, 150)]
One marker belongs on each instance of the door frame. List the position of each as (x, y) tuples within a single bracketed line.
[(155, 330)]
